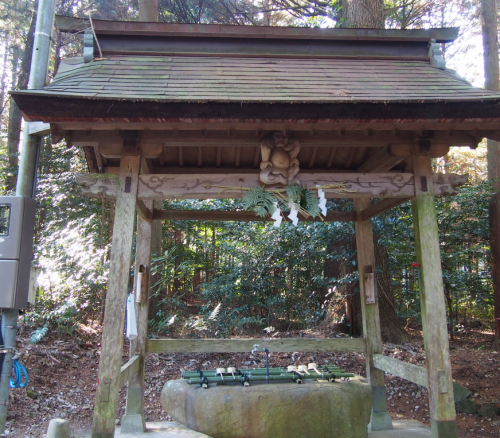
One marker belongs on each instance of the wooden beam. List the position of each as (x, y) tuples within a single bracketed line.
[(405, 370), (116, 151), (39, 128), (323, 126), (350, 156), (219, 156), (210, 186), (427, 245), (313, 157), (382, 161), (98, 158), (380, 419), (332, 157), (143, 211), (200, 156), (241, 216), (238, 157), (128, 369), (256, 157), (246, 345), (181, 158), (133, 420), (147, 166), (154, 136), (114, 316), (381, 206)]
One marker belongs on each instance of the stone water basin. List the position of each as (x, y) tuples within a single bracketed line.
[(275, 410)]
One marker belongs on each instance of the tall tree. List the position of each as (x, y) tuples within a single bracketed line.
[(363, 14), (371, 14), (491, 73), (20, 82)]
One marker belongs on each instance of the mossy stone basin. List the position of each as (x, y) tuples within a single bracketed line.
[(281, 410)]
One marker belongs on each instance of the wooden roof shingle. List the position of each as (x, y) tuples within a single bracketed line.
[(267, 80)]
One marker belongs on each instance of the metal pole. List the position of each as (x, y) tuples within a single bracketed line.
[(38, 76), (26, 179)]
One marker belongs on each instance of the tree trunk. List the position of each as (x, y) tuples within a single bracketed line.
[(155, 296), (363, 14), (331, 269), (178, 243), (21, 81), (392, 329), (491, 73), (3, 79)]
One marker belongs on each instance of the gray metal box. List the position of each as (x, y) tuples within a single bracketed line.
[(17, 225)]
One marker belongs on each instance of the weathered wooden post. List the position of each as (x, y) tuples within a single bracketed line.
[(133, 420), (119, 272), (380, 419), (439, 379)]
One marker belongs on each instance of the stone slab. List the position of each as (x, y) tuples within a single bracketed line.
[(404, 429), (284, 410), (163, 429), (173, 429)]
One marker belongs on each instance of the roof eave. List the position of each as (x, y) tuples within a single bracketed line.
[(70, 108)]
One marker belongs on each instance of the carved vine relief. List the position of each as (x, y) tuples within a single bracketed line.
[(279, 159)]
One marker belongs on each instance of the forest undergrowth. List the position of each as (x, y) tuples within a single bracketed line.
[(63, 373)]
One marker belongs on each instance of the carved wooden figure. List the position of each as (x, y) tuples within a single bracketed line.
[(279, 159)]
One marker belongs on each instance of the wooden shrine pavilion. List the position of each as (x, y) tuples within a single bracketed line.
[(176, 111)]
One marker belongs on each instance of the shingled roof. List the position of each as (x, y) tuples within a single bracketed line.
[(218, 79), (238, 72)]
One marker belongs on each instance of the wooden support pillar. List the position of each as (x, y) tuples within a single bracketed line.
[(380, 418), (133, 420), (438, 366), (114, 318)]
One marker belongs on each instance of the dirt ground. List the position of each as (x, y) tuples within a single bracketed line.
[(63, 374)]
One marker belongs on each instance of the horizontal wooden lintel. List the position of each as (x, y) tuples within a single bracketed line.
[(243, 216), (246, 345), (405, 370), (231, 186)]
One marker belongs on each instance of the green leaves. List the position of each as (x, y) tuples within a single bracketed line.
[(38, 334), (260, 201), (263, 202)]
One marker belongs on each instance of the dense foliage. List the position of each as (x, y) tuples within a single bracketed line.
[(221, 278)]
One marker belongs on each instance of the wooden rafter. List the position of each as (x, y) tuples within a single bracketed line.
[(219, 155), (350, 156), (256, 157), (332, 157), (238, 157), (313, 157), (181, 157), (200, 156)]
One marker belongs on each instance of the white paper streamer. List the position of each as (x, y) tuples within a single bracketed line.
[(322, 201), (131, 321), (293, 216), (277, 217)]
